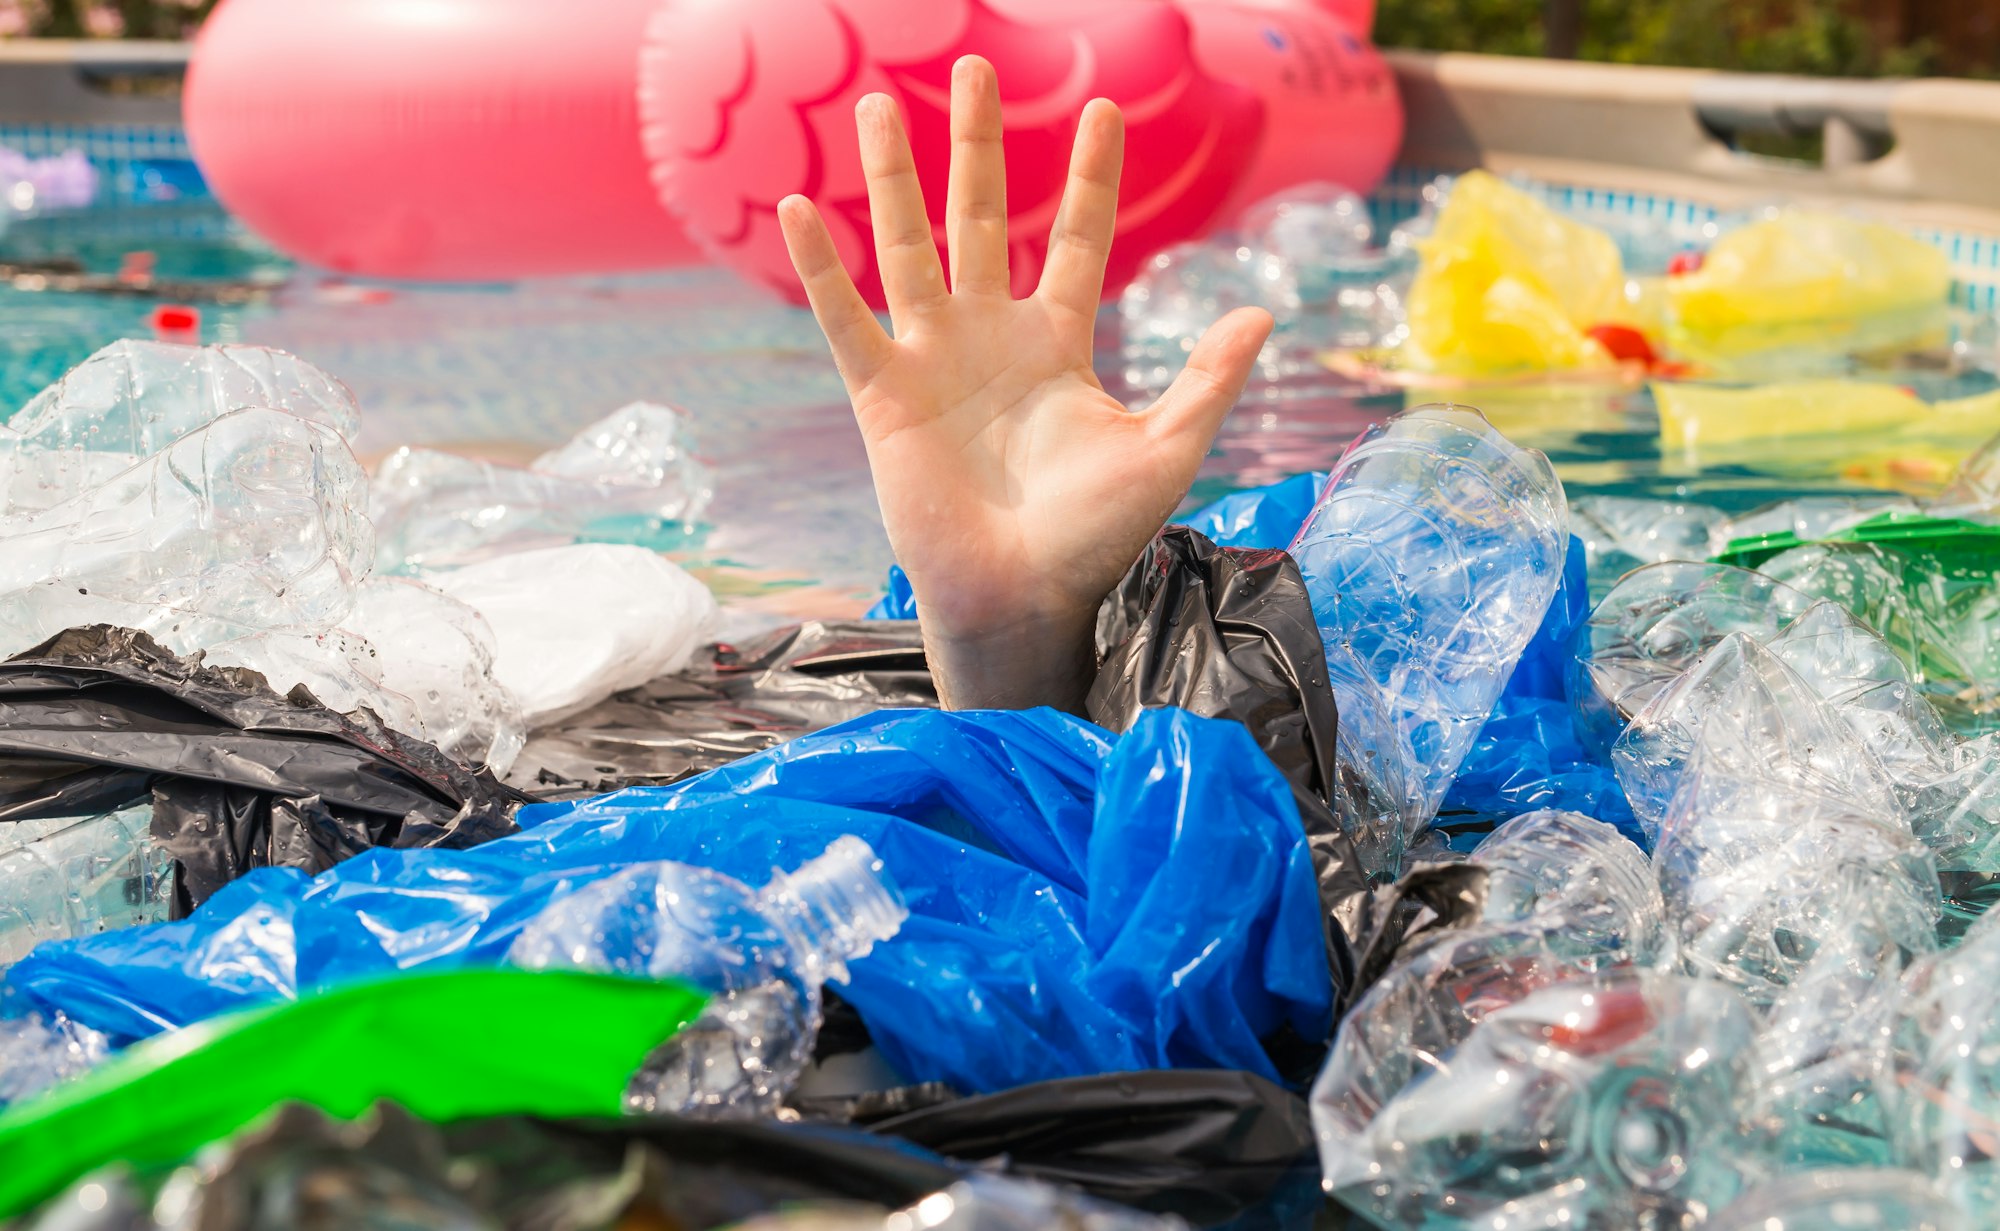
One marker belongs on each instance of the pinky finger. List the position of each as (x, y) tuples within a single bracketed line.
[(860, 347)]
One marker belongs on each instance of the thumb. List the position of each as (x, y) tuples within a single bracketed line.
[(1202, 396)]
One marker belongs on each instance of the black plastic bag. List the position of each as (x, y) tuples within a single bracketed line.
[(1207, 1145), (735, 701), (101, 718)]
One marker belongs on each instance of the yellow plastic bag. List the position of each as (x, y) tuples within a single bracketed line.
[(1882, 435), (1506, 284), (1813, 280)]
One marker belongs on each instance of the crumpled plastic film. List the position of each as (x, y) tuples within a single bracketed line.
[(626, 478), (1052, 874), (1432, 557), (1507, 284), (1803, 278), (133, 399), (574, 624)]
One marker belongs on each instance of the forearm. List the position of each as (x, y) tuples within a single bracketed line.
[(1043, 661)]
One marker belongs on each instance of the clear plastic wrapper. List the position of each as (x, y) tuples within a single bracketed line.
[(80, 876), (133, 399), (627, 477), (246, 525), (572, 625), (1605, 1100), (1653, 625), (1431, 557), (765, 953)]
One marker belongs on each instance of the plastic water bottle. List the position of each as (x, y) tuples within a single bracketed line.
[(765, 953), (1431, 557), (79, 876), (1945, 1095)]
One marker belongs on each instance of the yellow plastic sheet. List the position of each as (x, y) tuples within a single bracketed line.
[(1882, 435), (1809, 279), (1506, 284)]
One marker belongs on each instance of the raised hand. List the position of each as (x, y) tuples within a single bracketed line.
[(1015, 490)]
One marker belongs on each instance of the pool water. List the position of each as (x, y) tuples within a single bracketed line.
[(504, 371)]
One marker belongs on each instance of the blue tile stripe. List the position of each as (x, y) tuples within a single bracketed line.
[(136, 162)]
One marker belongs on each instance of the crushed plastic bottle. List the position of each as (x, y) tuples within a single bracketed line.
[(766, 952), (572, 625), (77, 876), (37, 1052), (1847, 1199), (414, 641), (249, 524), (1621, 533), (1652, 627), (1942, 1092), (1432, 555), (1605, 1100), (133, 399), (628, 477)]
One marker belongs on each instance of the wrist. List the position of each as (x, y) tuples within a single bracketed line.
[(1012, 661)]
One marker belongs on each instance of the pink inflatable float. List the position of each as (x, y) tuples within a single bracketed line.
[(498, 139)]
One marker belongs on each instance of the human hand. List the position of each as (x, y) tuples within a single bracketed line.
[(1015, 490)]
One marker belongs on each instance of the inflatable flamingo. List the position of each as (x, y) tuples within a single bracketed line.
[(496, 139)]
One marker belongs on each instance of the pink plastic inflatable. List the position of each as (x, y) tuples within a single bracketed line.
[(500, 139), (1226, 101), (433, 139)]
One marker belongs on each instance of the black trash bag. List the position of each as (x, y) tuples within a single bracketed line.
[(737, 700), (1228, 632), (100, 718), (301, 1168), (1208, 1145)]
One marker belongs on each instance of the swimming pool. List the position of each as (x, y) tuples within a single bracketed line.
[(507, 370)]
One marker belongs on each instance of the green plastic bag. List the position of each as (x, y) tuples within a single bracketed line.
[(446, 1046)]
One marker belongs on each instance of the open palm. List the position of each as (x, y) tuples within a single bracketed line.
[(1015, 490)]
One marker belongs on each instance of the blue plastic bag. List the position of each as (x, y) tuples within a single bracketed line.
[(898, 602), (1264, 517), (1080, 902), (1527, 755)]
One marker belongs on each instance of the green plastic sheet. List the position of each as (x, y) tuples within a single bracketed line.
[(449, 1046)]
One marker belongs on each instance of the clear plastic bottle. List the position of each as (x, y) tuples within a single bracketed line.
[(1431, 557), (764, 953), (1553, 865), (1607, 1100), (1846, 1199), (79, 876), (1944, 1087)]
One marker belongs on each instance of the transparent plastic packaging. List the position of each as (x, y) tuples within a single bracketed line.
[(132, 399), (1182, 291), (1943, 1088), (79, 876), (1847, 1199), (247, 525), (629, 476), (38, 1052), (1652, 627), (1431, 556), (1621, 533), (1607, 1100), (765, 953)]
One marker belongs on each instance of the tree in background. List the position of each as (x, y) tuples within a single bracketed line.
[(1853, 38), (102, 18)]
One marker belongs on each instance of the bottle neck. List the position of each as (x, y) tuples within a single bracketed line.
[(837, 906)]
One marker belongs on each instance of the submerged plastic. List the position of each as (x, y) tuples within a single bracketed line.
[(1053, 876), (343, 1051), (1507, 284), (627, 477), (238, 776)]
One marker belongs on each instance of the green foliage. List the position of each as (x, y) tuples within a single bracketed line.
[(1821, 37)]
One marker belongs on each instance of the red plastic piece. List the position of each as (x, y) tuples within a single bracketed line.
[(174, 322), (1626, 344), (1685, 262)]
